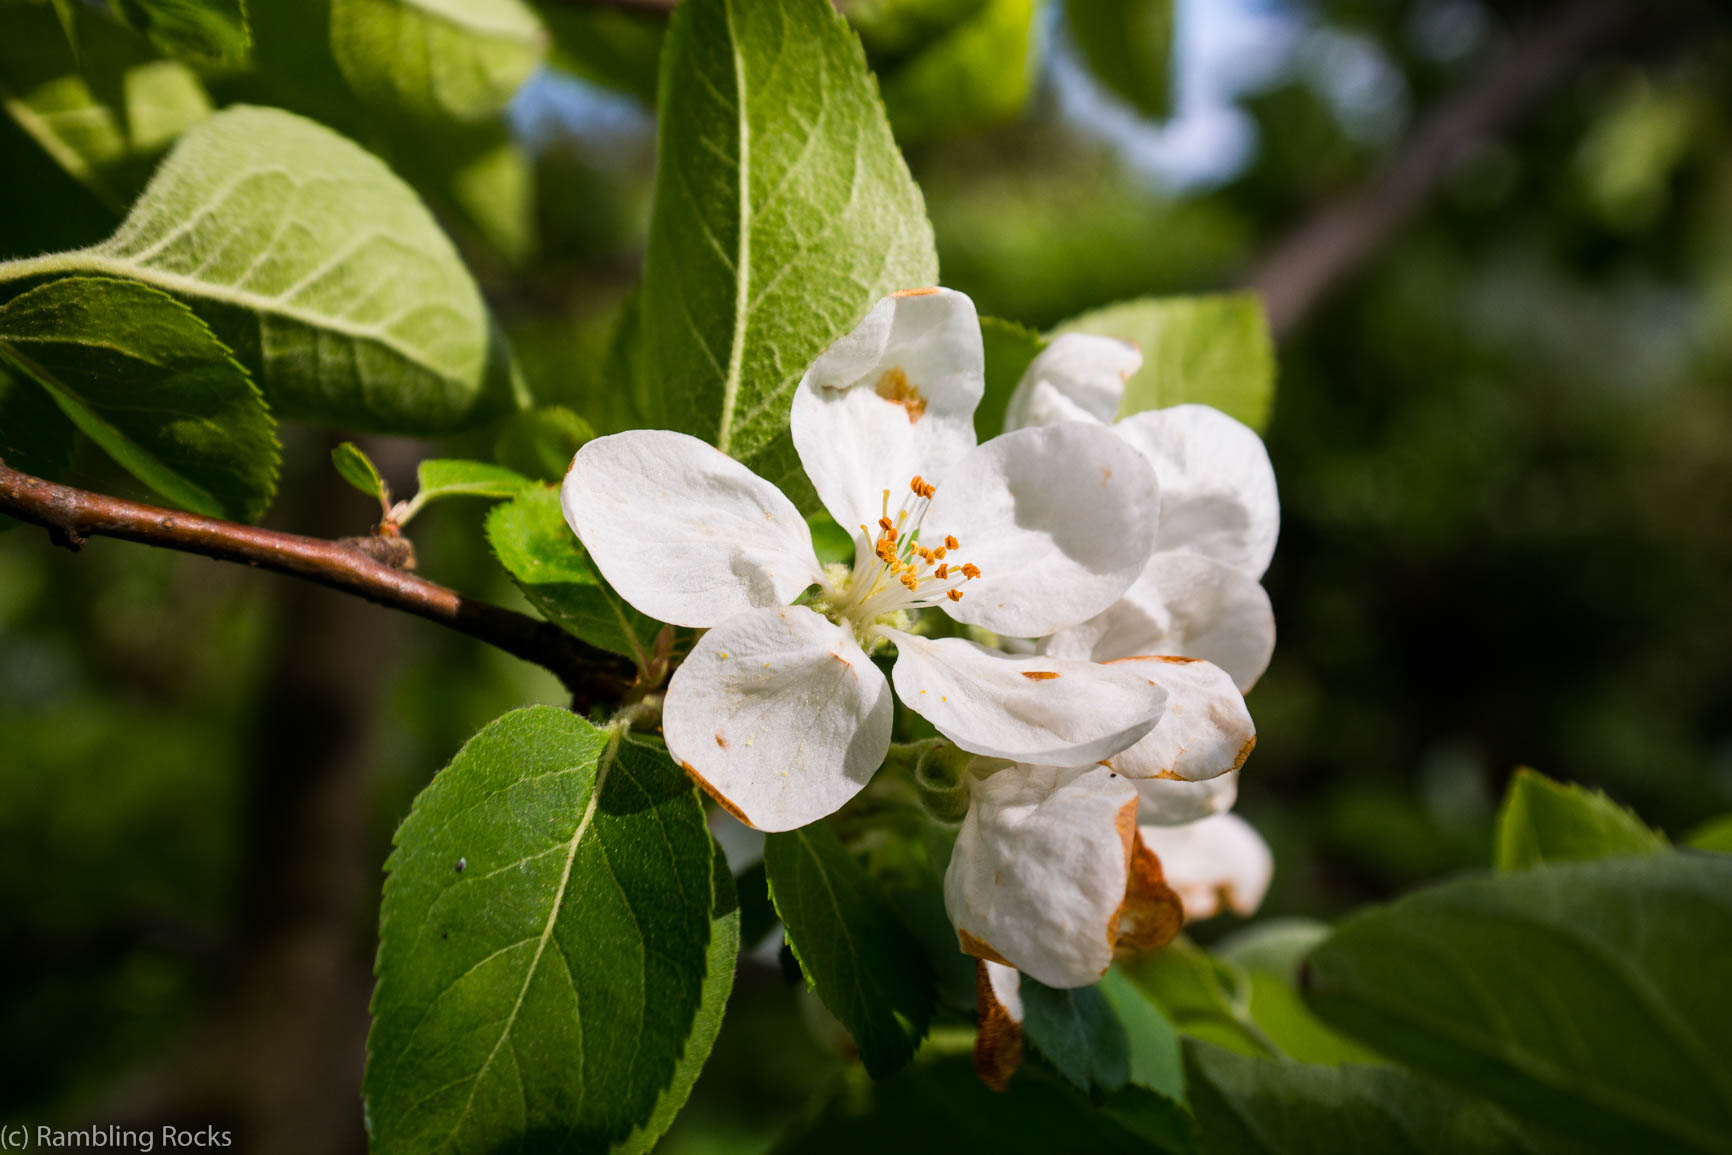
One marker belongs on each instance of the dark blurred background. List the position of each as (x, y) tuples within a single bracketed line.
[(1497, 245)]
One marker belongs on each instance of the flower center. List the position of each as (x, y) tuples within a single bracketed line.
[(895, 573)]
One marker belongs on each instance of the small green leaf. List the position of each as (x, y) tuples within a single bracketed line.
[(1715, 835), (782, 212), (1009, 348), (1156, 1061), (451, 477), (973, 76), (544, 945), (319, 268), (1201, 995), (208, 30), (867, 967), (1128, 45), (436, 59), (356, 468), (1214, 350), (1546, 821), (891, 29), (1077, 1032), (531, 540), (1588, 996), (1271, 954), (139, 374), (1251, 1106), (541, 442)]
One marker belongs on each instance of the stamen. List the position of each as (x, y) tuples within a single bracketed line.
[(941, 572), (953, 595), (937, 553), (909, 580), (950, 542), (970, 570)]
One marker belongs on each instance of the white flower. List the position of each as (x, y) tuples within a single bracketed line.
[(1219, 514), (1213, 861), (778, 711), (1049, 874)]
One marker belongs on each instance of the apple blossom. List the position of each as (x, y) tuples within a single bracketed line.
[(778, 711), (1211, 862)]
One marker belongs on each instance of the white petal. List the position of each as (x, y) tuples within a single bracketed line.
[(1171, 802), (1218, 494), (998, 1042), (684, 532), (1027, 709), (1215, 860), (1078, 377), (1205, 730), (892, 400), (1060, 519), (779, 715), (1005, 984), (1040, 870), (1186, 605)]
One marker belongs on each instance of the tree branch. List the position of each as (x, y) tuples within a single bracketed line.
[(1332, 244), (72, 515)]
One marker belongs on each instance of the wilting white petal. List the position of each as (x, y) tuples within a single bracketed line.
[(1205, 730), (998, 1042), (1040, 869), (1215, 860), (1187, 605), (1218, 494), (684, 532), (1027, 709), (1059, 519), (1172, 802), (1079, 376), (779, 715), (893, 399)]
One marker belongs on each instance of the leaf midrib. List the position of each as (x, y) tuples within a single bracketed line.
[(743, 257), (601, 771)]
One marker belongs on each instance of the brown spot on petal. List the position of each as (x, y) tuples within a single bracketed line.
[(1040, 675), (1244, 751), (1151, 914), (895, 388), (721, 741), (998, 1046), (1172, 775), (721, 799), (979, 949), (1177, 659), (846, 664), (923, 292)]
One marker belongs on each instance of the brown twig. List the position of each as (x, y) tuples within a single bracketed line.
[(1333, 243), (73, 515)]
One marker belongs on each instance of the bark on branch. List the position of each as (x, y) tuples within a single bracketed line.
[(73, 515)]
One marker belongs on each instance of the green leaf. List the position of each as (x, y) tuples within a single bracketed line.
[(544, 944), (1584, 995), (865, 964), (318, 267), (1079, 1034), (1546, 821), (541, 442), (1715, 835), (531, 540), (975, 75), (1271, 954), (1201, 995), (938, 1108), (139, 374), (1213, 350), (104, 123), (35, 436), (452, 477), (457, 59), (894, 28), (356, 468), (1009, 348), (782, 212), (1128, 45), (1250, 1106), (615, 49), (208, 30), (1156, 1061)]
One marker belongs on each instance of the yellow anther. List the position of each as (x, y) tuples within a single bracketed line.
[(909, 580), (885, 524), (970, 570), (937, 553), (953, 595), (942, 572), (951, 542)]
